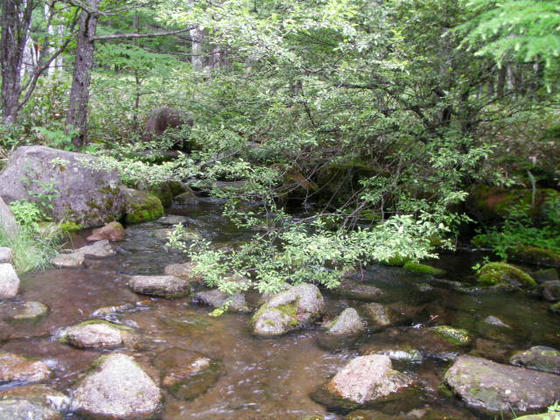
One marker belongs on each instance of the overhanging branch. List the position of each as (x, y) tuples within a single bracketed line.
[(136, 35)]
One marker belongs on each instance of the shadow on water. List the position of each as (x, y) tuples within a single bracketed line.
[(261, 378)]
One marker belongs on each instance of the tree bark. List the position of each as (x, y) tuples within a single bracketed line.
[(15, 20), (79, 93)]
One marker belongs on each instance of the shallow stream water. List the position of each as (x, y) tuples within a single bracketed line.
[(265, 378)]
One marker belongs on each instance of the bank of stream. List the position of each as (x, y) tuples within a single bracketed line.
[(258, 378)]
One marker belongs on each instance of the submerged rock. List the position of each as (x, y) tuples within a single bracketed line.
[(551, 290), (347, 323), (496, 388), (424, 269), (355, 290), (546, 274), (86, 193), (187, 374), (535, 255), (501, 273), (98, 335), (381, 316), (9, 281), (21, 369), (113, 232), (172, 219), (216, 299), (161, 286), (396, 352), (495, 321), (288, 310), (117, 388), (457, 336), (542, 358), (22, 409), (30, 310), (364, 380), (141, 206), (99, 249), (35, 402)]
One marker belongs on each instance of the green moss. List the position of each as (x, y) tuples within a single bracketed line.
[(396, 261), (457, 336), (142, 207), (70, 227), (555, 308), (424, 269), (502, 273), (535, 255)]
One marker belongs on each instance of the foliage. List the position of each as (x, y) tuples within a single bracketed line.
[(520, 229), (27, 214)]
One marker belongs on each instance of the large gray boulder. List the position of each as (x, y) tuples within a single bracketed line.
[(63, 184), (496, 388), (7, 220), (9, 281), (117, 388), (364, 380), (288, 310)]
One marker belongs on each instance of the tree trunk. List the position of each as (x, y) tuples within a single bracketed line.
[(502, 76), (15, 20), (79, 93)]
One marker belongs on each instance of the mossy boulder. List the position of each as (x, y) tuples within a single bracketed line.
[(141, 206), (546, 359), (496, 388), (535, 256), (348, 322), (424, 269), (496, 273), (490, 204), (288, 311), (555, 308)]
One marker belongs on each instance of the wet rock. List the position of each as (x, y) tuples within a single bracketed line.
[(551, 290), (187, 374), (501, 273), (495, 321), (87, 194), (106, 311), (161, 286), (44, 402), (288, 310), (6, 255), (21, 369), (184, 270), (71, 260), (141, 206), (381, 316), (491, 349), (8, 221), (495, 388), (117, 388), (216, 299), (172, 219), (9, 281), (546, 274), (188, 197), (555, 308), (113, 232), (546, 359), (364, 380), (543, 416), (30, 310), (535, 255), (347, 323), (360, 291), (98, 335), (396, 353), (99, 249), (457, 336), (21, 409)]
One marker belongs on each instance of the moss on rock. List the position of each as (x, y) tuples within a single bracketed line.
[(142, 206), (424, 269), (535, 255), (457, 336), (501, 273)]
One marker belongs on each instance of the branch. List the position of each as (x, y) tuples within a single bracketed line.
[(139, 35)]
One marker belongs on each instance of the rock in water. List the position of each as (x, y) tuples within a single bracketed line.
[(184, 270), (72, 260), (542, 358), (99, 249), (141, 206), (288, 310), (366, 379), (118, 388), (216, 299), (348, 322), (20, 369), (99, 335), (73, 183), (9, 281), (495, 388), (21, 409), (32, 402), (30, 310), (113, 232), (162, 286)]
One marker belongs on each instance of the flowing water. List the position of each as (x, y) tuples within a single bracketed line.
[(263, 378)]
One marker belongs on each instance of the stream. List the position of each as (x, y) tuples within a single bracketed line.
[(269, 378)]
